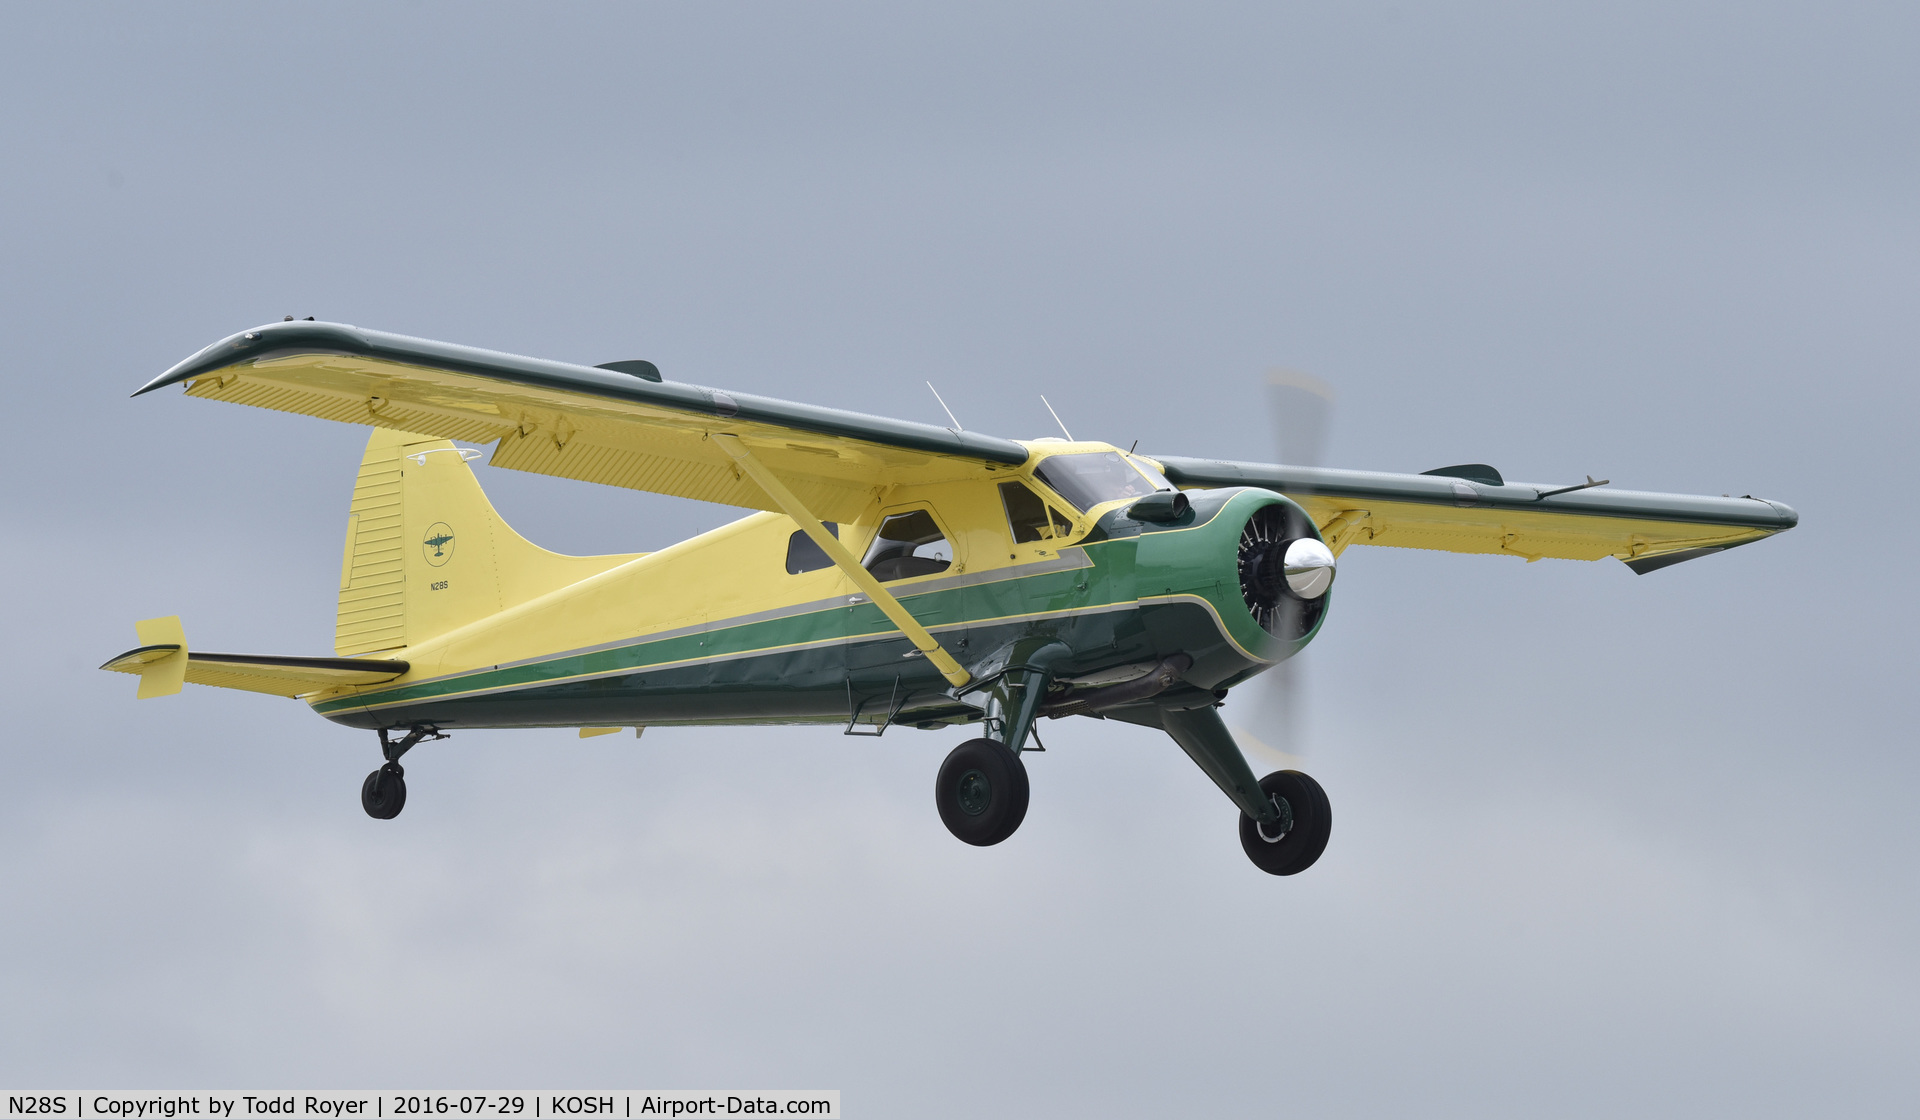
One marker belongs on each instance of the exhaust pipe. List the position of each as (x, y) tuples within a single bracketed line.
[(1162, 677)]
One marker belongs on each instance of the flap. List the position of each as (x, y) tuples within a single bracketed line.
[(277, 676), (597, 425), (1450, 513)]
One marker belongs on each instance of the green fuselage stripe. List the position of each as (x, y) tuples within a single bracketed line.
[(1039, 595)]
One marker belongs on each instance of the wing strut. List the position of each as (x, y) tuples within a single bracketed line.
[(842, 559)]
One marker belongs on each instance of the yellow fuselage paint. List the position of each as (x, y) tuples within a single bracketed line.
[(731, 572)]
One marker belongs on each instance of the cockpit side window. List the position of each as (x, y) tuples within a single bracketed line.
[(909, 544), (805, 556), (1030, 517), (1089, 478)]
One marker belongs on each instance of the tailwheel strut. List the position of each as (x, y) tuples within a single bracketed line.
[(384, 793)]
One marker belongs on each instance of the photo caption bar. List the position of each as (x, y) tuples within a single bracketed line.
[(337, 1105)]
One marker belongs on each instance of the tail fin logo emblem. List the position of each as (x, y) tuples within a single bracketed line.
[(438, 545)]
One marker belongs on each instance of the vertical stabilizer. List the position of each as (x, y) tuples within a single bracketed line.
[(426, 553)]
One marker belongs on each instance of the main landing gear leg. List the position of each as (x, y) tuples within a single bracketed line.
[(384, 793), (982, 790), (1285, 818)]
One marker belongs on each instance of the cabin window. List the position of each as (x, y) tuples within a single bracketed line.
[(805, 556), (909, 544), (1090, 478), (1030, 517)]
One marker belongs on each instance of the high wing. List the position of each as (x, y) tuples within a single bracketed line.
[(621, 427), (593, 424), (1476, 510)]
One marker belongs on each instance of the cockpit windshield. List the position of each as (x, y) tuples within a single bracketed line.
[(1090, 478)]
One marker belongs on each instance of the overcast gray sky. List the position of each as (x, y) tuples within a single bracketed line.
[(1604, 844)]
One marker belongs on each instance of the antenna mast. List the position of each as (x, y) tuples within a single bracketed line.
[(957, 426), (1056, 419)]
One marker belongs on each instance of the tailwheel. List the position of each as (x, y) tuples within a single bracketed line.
[(1289, 845), (982, 792), (384, 793)]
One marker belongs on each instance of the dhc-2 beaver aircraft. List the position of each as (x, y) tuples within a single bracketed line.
[(896, 573)]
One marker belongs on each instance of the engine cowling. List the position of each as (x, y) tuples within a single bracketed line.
[(1240, 582), (1285, 571)]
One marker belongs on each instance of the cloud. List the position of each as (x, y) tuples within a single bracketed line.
[(1602, 843)]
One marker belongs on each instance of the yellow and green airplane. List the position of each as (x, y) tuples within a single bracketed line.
[(893, 572)]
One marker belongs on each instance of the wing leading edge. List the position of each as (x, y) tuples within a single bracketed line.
[(1647, 531)]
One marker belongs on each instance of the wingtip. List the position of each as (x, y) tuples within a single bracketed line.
[(1650, 564), (236, 347)]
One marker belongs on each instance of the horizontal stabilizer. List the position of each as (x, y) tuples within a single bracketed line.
[(276, 676)]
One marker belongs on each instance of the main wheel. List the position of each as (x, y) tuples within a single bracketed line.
[(384, 793), (1291, 844), (982, 792)]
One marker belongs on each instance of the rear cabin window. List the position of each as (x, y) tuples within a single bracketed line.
[(805, 556), (908, 544), (1029, 516), (1088, 479)]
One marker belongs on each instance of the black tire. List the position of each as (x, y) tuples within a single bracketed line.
[(1294, 850), (384, 793), (982, 792)]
